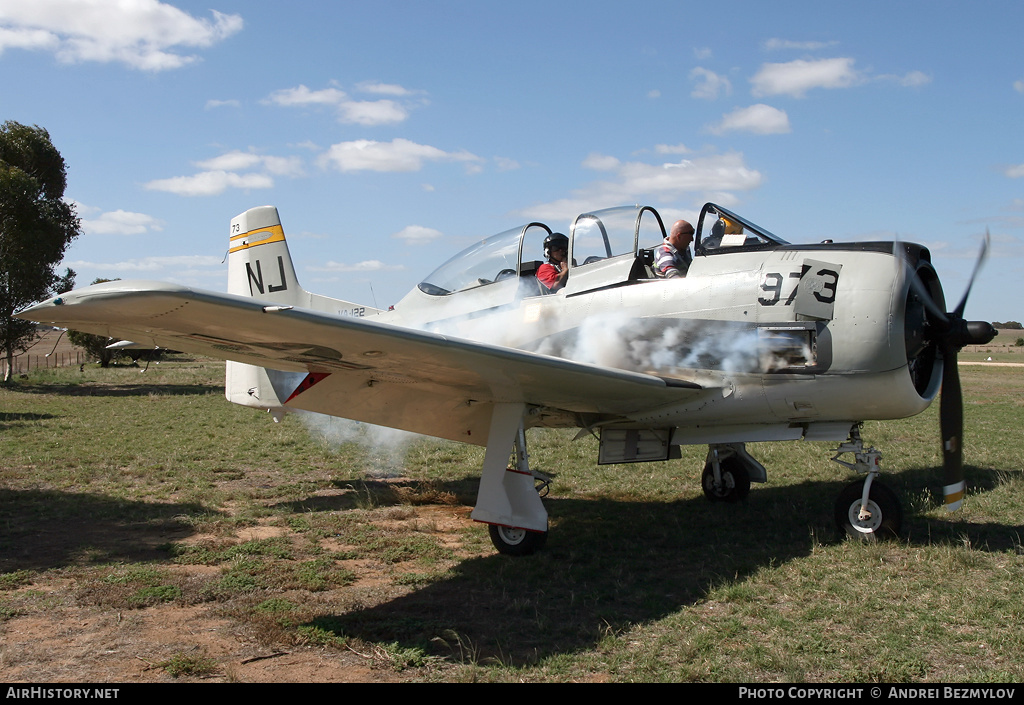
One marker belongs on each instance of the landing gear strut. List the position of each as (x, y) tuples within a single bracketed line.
[(866, 510), (509, 498)]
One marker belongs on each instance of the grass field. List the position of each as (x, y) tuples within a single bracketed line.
[(150, 531)]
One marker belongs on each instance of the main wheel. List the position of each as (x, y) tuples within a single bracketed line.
[(735, 481), (883, 518), (517, 542)]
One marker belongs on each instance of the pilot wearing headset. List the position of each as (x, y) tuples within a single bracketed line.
[(552, 273)]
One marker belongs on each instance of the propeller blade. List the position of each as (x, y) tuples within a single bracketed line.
[(951, 425), (982, 256), (950, 334), (906, 269)]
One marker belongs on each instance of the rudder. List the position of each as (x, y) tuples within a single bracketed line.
[(259, 264)]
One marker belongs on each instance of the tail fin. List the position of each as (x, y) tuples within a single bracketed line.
[(260, 266)]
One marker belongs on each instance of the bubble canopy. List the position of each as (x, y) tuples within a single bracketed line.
[(595, 236)]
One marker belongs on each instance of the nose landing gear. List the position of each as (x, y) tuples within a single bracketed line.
[(866, 509)]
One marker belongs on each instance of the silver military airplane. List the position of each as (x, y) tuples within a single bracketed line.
[(761, 341)]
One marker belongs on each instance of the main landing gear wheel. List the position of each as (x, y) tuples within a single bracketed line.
[(517, 542), (735, 484), (883, 517)]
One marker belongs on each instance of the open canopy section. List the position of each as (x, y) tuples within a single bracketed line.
[(720, 231), (490, 260)]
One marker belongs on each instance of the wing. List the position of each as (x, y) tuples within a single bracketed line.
[(362, 369)]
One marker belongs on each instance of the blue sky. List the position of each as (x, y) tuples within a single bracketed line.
[(392, 134)]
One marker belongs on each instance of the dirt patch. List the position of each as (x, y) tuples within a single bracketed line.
[(62, 627)]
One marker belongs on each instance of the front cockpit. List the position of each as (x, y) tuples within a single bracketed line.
[(721, 231)]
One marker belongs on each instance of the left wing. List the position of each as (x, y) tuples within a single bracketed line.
[(362, 369)]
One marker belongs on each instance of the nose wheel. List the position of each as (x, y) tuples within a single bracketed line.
[(866, 509), (880, 517)]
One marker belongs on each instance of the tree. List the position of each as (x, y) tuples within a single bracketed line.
[(36, 226)]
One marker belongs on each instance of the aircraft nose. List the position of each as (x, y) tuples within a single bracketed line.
[(33, 312)]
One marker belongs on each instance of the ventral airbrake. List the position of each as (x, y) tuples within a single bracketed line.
[(762, 340)]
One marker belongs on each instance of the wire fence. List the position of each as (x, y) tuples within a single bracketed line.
[(25, 363)]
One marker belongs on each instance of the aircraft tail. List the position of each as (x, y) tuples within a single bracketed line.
[(260, 266)]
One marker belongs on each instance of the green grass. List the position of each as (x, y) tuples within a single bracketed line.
[(124, 492)]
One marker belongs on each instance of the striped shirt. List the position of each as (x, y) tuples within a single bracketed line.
[(670, 262)]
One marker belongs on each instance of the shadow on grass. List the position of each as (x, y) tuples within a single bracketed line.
[(609, 565), (90, 389), (42, 529), (10, 420), (366, 493)]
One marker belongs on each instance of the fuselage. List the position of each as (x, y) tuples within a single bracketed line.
[(790, 339)]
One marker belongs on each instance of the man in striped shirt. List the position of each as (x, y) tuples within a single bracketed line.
[(672, 258)]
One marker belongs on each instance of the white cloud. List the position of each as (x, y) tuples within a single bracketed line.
[(911, 79), (1014, 172), (142, 34), (710, 85), (914, 78), (506, 164), (375, 112), (760, 119), (24, 38), (396, 155), (212, 104), (418, 235), (1018, 86), (210, 183), (240, 161), (671, 149), (121, 222), (384, 89), (372, 265), (795, 78), (150, 264), (301, 95), (231, 161), (600, 162), (777, 44), (638, 182), (222, 172), (350, 111)]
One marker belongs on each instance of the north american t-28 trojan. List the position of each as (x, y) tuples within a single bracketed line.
[(762, 340)]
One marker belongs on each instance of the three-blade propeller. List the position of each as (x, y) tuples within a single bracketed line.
[(949, 332)]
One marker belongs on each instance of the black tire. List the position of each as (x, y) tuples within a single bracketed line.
[(735, 481), (517, 542), (886, 518)]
